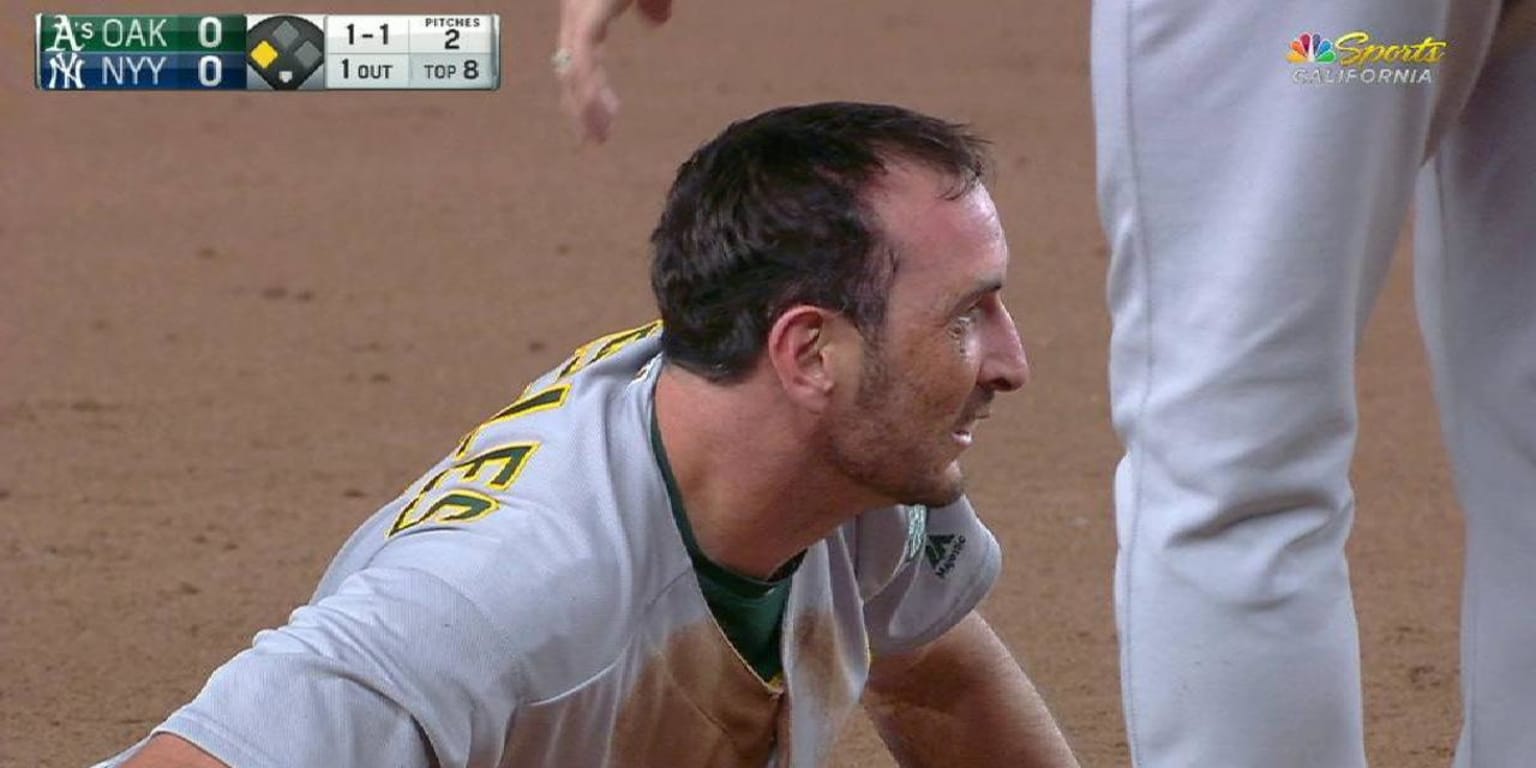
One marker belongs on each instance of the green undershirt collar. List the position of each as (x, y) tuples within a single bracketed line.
[(749, 611)]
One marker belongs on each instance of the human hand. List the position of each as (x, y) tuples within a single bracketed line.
[(586, 96)]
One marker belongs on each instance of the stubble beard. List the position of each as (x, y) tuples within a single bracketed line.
[(873, 442)]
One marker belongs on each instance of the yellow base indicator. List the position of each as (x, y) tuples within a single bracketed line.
[(264, 54)]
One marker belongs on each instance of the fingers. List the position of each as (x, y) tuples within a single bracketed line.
[(590, 103), (655, 11), (586, 97)]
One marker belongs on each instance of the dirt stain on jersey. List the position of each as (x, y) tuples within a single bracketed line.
[(696, 704), (823, 681)]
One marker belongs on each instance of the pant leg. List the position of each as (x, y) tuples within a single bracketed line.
[(1476, 280), (1251, 219)]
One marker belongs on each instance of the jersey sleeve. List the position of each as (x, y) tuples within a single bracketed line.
[(397, 667), (920, 571)]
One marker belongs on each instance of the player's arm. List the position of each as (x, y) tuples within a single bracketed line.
[(397, 667), (962, 699), (585, 92)]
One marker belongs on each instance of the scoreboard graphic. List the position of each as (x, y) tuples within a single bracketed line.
[(270, 52)]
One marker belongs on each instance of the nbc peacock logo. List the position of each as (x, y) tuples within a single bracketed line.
[(1310, 47)]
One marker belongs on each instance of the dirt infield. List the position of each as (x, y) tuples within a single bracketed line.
[(233, 325)]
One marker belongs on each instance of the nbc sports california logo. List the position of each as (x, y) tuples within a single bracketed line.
[(1354, 57)]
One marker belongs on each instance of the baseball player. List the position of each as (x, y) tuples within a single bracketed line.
[(1256, 162), (698, 546)]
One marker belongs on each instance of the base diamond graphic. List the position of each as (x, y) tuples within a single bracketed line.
[(263, 54), (285, 35), (285, 51), (308, 55)]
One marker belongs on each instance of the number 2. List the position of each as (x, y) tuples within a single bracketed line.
[(453, 40)]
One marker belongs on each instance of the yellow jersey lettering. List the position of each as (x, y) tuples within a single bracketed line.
[(607, 346), (512, 459), (462, 507)]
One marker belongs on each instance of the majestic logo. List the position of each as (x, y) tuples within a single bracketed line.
[(943, 550), (1310, 47)]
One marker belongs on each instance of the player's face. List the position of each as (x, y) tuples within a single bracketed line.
[(949, 345)]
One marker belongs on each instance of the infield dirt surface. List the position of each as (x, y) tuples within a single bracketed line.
[(233, 325)]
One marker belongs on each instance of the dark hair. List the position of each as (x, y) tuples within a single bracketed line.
[(772, 213)]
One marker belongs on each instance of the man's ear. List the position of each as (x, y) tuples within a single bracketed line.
[(806, 348)]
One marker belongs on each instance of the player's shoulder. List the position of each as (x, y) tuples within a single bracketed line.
[(605, 357), (548, 517), (568, 591), (882, 541), (569, 442), (886, 541)]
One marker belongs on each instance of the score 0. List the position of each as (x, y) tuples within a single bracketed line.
[(213, 50)]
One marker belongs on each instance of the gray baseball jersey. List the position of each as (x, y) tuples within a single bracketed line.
[(530, 602)]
